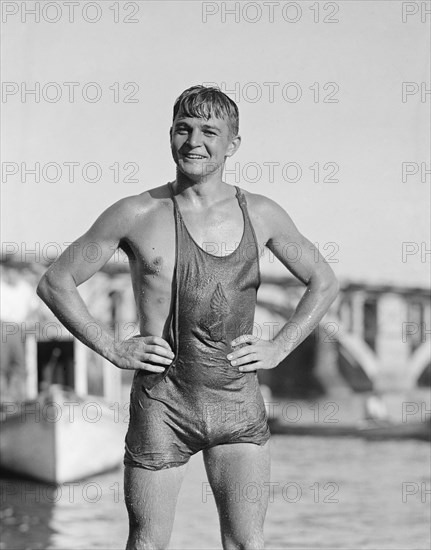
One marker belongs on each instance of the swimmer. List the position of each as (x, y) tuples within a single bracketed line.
[(193, 246)]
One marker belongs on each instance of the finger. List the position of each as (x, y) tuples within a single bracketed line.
[(247, 349), (158, 341), (151, 368), (243, 339), (247, 359), (252, 367), (137, 365), (159, 350), (154, 358)]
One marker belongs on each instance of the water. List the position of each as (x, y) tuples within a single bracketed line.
[(328, 493)]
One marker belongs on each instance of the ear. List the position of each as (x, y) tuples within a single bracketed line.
[(233, 146), (170, 133)]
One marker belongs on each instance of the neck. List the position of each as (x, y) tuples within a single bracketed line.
[(205, 190)]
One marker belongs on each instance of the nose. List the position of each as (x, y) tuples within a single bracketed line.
[(195, 138)]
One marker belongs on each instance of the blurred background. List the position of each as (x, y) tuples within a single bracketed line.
[(334, 101)]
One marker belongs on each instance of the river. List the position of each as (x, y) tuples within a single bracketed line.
[(326, 493)]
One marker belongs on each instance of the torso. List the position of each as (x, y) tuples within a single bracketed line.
[(150, 246)]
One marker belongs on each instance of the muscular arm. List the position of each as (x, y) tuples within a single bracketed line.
[(305, 262), (80, 261)]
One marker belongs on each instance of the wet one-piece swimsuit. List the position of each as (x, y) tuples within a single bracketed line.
[(201, 400)]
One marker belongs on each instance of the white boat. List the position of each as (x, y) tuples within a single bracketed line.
[(60, 437)]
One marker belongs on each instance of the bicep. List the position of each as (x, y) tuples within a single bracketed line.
[(294, 250), (90, 252)]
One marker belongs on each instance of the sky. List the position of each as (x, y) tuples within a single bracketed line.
[(327, 131)]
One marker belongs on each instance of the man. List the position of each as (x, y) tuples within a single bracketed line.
[(194, 247)]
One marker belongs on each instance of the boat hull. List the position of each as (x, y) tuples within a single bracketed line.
[(62, 442)]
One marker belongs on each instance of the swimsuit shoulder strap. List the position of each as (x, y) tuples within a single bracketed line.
[(243, 204), (249, 232), (172, 194)]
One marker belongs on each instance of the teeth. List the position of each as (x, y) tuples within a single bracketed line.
[(195, 156)]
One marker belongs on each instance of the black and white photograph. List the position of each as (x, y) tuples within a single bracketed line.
[(215, 275)]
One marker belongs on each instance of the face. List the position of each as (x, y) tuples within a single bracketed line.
[(200, 147)]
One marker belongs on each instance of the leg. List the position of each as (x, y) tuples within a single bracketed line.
[(151, 498), (239, 474)]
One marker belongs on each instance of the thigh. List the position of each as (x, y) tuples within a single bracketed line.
[(239, 475), (161, 431), (151, 498)]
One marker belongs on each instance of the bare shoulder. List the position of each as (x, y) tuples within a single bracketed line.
[(124, 214), (271, 218), (140, 204), (261, 204)]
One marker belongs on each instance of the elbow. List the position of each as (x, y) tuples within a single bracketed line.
[(46, 289), (42, 289), (329, 287), (53, 285), (335, 289), (332, 288)]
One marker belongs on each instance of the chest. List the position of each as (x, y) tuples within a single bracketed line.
[(151, 244), (218, 231)]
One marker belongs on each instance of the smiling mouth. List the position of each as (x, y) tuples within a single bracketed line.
[(193, 156)]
